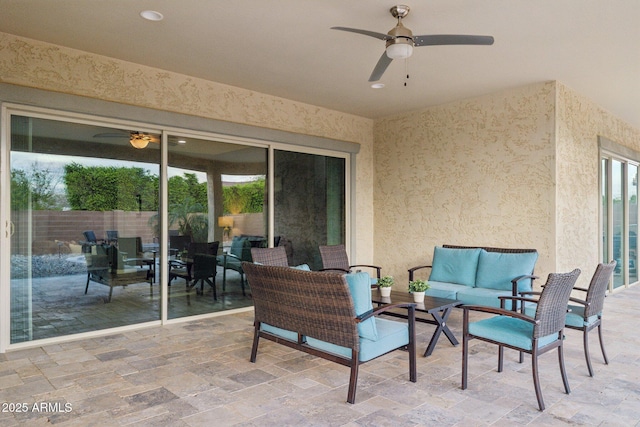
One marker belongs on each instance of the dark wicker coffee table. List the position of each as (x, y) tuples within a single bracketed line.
[(438, 308)]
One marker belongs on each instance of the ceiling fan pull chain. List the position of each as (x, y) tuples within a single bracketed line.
[(406, 70)]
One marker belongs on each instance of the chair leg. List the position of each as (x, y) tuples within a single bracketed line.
[(87, 287), (536, 378), (604, 354), (500, 358), (256, 338), (465, 348), (587, 357), (563, 371), (353, 379)]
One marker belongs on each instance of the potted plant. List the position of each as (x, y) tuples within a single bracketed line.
[(384, 284), (417, 288)]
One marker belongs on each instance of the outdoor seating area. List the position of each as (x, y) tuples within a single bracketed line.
[(194, 372)]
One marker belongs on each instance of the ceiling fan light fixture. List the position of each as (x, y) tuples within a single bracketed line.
[(401, 49), (139, 140)]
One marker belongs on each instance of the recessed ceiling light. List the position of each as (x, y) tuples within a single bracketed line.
[(151, 15), (377, 85)]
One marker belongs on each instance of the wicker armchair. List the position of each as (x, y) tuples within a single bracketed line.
[(270, 256), (314, 312), (586, 314), (334, 257), (532, 335)]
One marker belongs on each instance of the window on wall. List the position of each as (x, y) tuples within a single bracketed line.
[(619, 217)]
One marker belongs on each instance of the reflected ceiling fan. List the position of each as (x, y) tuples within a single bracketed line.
[(400, 41), (136, 139)]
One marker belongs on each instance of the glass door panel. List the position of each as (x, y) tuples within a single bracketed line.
[(632, 197), (617, 192), (83, 253), (309, 204), (216, 194)]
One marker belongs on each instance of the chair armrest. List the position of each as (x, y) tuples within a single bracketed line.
[(379, 310), (378, 269), (413, 270), (342, 270), (580, 289), (499, 311), (514, 282), (579, 301)]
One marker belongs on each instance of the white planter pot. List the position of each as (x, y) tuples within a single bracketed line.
[(385, 292), (418, 296)]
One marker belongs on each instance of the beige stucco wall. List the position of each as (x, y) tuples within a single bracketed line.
[(512, 169), (31, 63), (475, 172), (579, 123)]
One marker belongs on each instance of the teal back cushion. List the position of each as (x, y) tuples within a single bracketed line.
[(455, 265), (360, 288), (241, 247), (496, 270)]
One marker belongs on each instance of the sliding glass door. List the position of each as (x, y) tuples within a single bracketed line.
[(216, 198), (116, 224), (82, 252), (309, 204)]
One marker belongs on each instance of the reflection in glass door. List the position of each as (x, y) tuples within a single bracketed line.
[(309, 204), (216, 193), (632, 234), (83, 253)]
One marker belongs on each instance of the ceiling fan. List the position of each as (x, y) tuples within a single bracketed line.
[(400, 41)]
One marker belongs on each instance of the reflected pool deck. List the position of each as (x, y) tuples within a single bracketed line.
[(198, 373), (60, 307)]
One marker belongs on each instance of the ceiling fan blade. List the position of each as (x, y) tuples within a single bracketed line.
[(380, 68), (448, 39), (373, 34)]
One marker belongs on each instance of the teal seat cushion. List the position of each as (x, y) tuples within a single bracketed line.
[(575, 317), (482, 296), (510, 331), (443, 290), (496, 270), (454, 265), (284, 333), (391, 335), (303, 267), (229, 262), (360, 288)]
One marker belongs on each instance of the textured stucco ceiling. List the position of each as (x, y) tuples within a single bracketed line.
[(286, 47)]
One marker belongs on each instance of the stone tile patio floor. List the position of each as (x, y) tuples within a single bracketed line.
[(198, 374)]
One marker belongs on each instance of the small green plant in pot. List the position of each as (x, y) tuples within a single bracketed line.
[(417, 288), (385, 283)]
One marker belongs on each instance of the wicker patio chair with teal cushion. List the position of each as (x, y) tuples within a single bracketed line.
[(328, 315), (334, 257), (586, 314), (533, 335), (239, 251)]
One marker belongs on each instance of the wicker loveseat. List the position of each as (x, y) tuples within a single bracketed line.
[(326, 314), (479, 275)]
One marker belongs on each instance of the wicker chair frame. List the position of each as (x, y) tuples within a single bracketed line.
[(549, 319), (318, 305)]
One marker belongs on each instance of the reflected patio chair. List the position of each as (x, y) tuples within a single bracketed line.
[(239, 251), (334, 257), (533, 335), (270, 256), (204, 271)]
